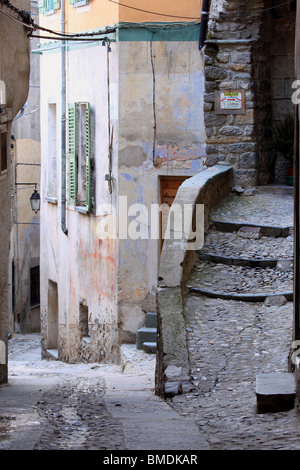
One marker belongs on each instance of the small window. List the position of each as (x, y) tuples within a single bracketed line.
[(52, 152), (79, 3), (48, 6), (3, 150), (84, 320), (35, 286)]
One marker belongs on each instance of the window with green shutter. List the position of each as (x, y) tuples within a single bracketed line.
[(80, 155), (72, 152), (48, 6), (79, 3)]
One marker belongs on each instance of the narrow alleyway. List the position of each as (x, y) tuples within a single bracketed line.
[(231, 337), (50, 405)]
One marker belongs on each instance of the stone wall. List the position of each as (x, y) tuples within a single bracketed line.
[(237, 56), (14, 74), (172, 365)]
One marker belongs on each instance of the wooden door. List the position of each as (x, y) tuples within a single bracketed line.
[(168, 189)]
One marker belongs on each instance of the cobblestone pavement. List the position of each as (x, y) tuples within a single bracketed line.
[(50, 405), (230, 342), (68, 410)]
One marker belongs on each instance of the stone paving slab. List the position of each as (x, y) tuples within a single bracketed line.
[(271, 209)]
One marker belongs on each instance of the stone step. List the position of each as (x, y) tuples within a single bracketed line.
[(275, 392), (150, 347), (151, 319), (231, 246), (269, 298), (145, 335), (253, 263), (52, 354), (230, 280), (266, 230)]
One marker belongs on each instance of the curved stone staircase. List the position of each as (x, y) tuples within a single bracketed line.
[(248, 257)]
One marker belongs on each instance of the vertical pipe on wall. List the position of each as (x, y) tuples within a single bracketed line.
[(204, 21), (63, 123)]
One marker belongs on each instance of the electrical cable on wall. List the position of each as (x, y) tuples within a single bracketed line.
[(153, 100)]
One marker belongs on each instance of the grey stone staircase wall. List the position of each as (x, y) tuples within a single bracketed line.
[(209, 188)]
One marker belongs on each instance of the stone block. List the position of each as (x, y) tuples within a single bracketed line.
[(275, 300), (230, 130), (248, 160), (284, 265), (215, 73), (253, 233), (246, 178), (275, 392)]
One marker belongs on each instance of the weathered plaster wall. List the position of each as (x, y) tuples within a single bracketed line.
[(14, 72), (26, 233), (82, 266), (161, 132), (25, 247)]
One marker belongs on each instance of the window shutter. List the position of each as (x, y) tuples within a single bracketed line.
[(88, 157), (56, 4), (42, 6), (72, 151)]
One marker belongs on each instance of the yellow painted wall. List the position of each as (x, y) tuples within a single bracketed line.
[(163, 10), (100, 13)]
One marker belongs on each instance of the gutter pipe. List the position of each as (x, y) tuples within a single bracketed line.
[(204, 22), (63, 124)]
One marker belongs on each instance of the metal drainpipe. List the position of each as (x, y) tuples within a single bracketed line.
[(63, 123), (204, 21)]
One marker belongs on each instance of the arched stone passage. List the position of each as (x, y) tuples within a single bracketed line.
[(249, 47)]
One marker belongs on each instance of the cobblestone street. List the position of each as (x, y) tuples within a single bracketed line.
[(50, 405), (231, 341)]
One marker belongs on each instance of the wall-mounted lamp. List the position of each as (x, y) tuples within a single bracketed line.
[(35, 201)]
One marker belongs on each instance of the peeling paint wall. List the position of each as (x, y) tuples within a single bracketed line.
[(25, 247), (162, 133), (82, 266)]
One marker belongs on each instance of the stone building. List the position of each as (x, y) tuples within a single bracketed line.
[(248, 50), (14, 81), (249, 47), (131, 90), (25, 237)]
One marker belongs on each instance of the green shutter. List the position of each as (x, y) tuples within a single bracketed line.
[(72, 151), (88, 157), (56, 4), (72, 2), (42, 6)]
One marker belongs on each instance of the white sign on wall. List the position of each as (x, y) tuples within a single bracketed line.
[(230, 102)]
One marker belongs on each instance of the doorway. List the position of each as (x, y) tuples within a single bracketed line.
[(52, 343), (168, 189)]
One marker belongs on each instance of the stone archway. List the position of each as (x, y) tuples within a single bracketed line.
[(249, 47)]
